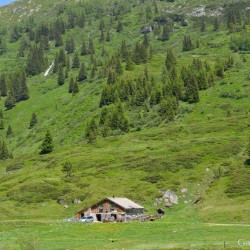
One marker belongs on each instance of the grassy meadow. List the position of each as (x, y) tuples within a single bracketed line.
[(203, 150)]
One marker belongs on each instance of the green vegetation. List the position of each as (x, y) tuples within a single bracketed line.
[(138, 97)]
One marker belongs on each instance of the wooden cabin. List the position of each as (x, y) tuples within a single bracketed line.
[(111, 207)]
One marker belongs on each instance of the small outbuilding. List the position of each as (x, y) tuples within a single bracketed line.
[(112, 208)]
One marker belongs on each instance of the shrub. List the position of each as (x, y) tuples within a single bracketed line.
[(14, 166)]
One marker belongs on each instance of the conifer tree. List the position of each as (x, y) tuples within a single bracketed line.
[(129, 64), (75, 88), (3, 46), (119, 26), (91, 49), (61, 77), (71, 85), (192, 90), (1, 125), (68, 64), (102, 37), (58, 39), (146, 41), (91, 131), (36, 62), (23, 92), (82, 75), (105, 115), (15, 34), (111, 77), (33, 120), (124, 51), (203, 25), (56, 64), (108, 37), (62, 58), (84, 49), (118, 68), (10, 100), (216, 23), (76, 61), (70, 45), (45, 42), (102, 25), (3, 85), (9, 132), (187, 44), (71, 20), (4, 154), (167, 109), (81, 19), (170, 61), (47, 144), (92, 72), (165, 33)]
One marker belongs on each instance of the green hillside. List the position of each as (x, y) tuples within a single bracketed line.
[(141, 97)]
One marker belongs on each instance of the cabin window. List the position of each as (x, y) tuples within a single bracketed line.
[(100, 208), (112, 207)]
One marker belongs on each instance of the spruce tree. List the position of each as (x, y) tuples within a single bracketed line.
[(3, 47), (118, 68), (71, 85), (1, 125), (33, 120), (167, 109), (47, 144), (92, 72), (129, 64), (82, 75), (146, 41), (119, 27), (165, 33), (9, 132), (76, 61), (70, 45), (62, 58), (102, 25), (58, 39), (56, 64), (23, 89), (187, 44), (108, 37), (102, 37), (111, 77), (170, 61), (216, 24), (75, 88), (91, 49), (3, 85), (91, 131), (61, 77), (10, 100), (84, 49), (192, 90), (15, 34), (4, 154), (203, 25)]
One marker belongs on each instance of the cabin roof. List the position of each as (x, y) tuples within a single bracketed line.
[(124, 203)]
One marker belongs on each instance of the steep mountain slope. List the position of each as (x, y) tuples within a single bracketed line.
[(156, 133)]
